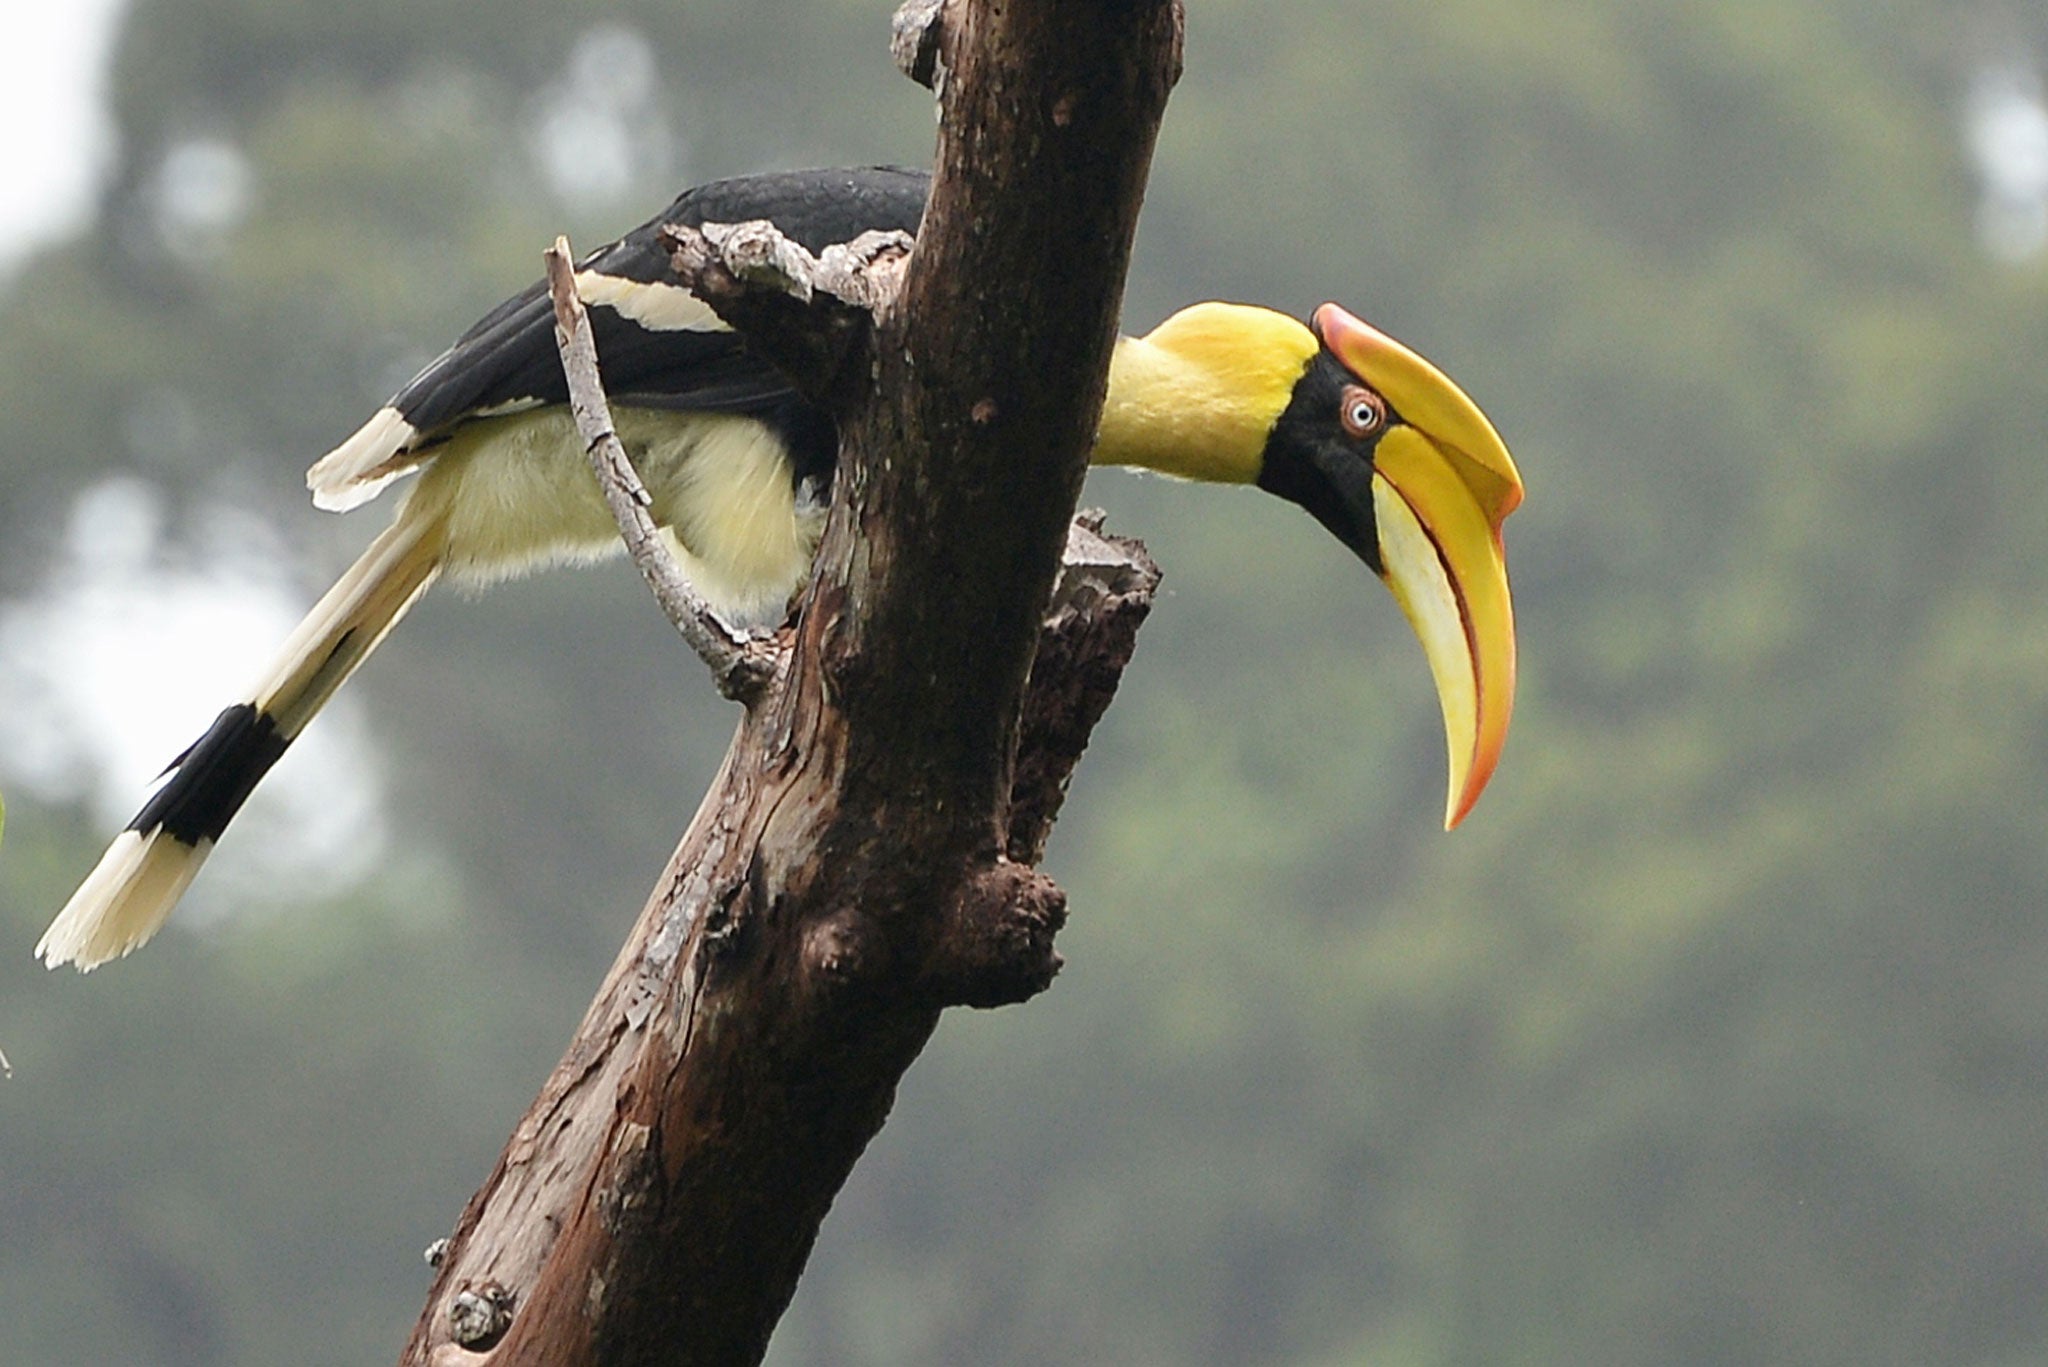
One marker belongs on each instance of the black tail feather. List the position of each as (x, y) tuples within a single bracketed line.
[(214, 777)]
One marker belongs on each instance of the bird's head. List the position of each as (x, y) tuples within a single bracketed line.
[(1380, 447)]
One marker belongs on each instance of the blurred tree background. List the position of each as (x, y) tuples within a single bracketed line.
[(1717, 1036)]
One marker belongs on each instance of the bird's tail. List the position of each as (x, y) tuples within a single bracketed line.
[(148, 867)]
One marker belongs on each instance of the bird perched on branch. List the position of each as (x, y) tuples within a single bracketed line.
[(1372, 440)]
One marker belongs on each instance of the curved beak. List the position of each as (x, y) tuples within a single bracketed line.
[(1443, 483)]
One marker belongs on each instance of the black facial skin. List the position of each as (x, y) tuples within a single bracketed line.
[(1311, 459)]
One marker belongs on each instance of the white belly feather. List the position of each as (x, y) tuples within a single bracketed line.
[(517, 494)]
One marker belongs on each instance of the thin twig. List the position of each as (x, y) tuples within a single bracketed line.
[(741, 665)]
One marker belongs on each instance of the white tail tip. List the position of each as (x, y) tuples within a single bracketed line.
[(123, 901)]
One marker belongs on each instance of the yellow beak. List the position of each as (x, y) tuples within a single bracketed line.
[(1443, 483)]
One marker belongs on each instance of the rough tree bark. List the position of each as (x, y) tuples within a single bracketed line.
[(865, 857)]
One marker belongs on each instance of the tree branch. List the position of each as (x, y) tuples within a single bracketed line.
[(1105, 591), (864, 857), (810, 315), (741, 666)]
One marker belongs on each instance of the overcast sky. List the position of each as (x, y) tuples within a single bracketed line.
[(55, 86)]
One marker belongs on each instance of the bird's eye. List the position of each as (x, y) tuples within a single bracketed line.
[(1362, 412)]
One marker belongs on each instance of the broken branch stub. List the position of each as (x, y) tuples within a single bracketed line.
[(810, 315)]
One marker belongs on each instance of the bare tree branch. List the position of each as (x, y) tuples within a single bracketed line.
[(741, 666), (863, 859), (915, 34), (809, 315)]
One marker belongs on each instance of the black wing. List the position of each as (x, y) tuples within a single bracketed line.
[(659, 346), (509, 358)]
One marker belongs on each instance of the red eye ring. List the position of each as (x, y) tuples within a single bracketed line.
[(1361, 411)]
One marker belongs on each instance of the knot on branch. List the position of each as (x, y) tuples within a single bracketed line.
[(841, 952), (629, 1195), (808, 314), (479, 1315), (995, 944)]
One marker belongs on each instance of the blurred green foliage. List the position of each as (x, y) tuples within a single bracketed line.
[(1711, 1038)]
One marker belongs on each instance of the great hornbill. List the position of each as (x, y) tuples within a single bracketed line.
[(1370, 438)]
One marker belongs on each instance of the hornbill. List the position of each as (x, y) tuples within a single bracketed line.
[(1333, 415)]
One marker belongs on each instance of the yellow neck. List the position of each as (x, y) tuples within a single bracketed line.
[(1198, 395)]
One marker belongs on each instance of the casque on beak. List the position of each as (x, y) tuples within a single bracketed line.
[(1442, 484)]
